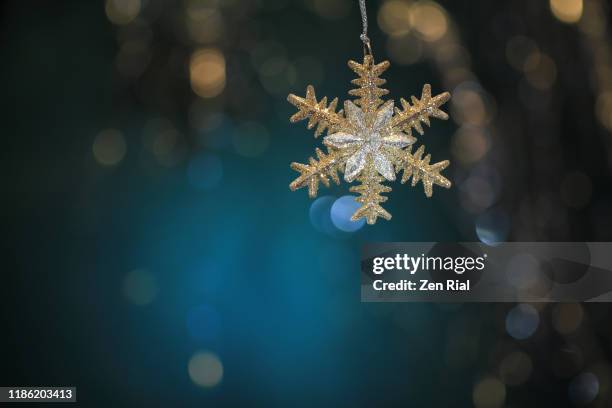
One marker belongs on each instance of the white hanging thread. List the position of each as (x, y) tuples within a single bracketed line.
[(364, 21)]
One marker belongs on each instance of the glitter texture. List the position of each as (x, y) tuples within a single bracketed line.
[(369, 141)]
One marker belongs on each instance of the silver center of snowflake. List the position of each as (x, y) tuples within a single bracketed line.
[(371, 137)]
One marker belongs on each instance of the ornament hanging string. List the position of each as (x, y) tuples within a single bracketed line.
[(367, 48)]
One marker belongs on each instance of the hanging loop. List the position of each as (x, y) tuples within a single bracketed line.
[(367, 48)]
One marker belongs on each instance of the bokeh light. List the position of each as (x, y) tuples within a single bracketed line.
[(320, 214), (205, 369), (541, 71), (567, 317), (522, 321), (523, 271), (207, 72), (122, 11), (394, 17), (109, 147), (341, 212), (519, 49), (140, 287), (567, 11), (204, 21), (492, 227), (515, 368), (429, 20), (489, 393), (405, 49), (584, 388), (332, 9)]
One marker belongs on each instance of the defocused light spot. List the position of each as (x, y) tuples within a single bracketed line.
[(164, 146), (522, 271), (332, 9), (204, 118), (250, 139), (518, 49), (477, 194), (584, 388), (207, 72), (140, 287), (515, 368), (576, 189), (122, 11), (394, 17), (468, 106), (567, 11), (205, 171), (109, 147), (492, 227), (205, 369), (470, 144), (543, 74), (263, 51), (341, 213), (429, 20), (567, 317), (405, 50), (603, 109), (522, 321), (489, 393), (320, 214), (277, 74), (204, 21), (593, 21), (203, 323)]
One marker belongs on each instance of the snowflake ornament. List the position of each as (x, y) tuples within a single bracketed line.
[(370, 141)]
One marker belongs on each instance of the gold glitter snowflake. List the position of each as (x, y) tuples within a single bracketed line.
[(369, 141)]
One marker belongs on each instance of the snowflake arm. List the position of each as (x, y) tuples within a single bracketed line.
[(368, 94), (411, 116), (317, 113), (370, 196), (418, 167), (318, 171)]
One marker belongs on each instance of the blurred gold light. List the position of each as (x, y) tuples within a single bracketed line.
[(109, 147), (543, 74), (489, 393), (429, 19), (603, 109), (518, 51), (394, 17), (207, 72), (140, 287), (567, 11), (515, 368), (122, 11), (567, 317), (205, 369), (204, 22), (469, 108), (470, 144), (332, 9)]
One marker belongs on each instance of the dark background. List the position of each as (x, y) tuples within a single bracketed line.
[(154, 255)]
